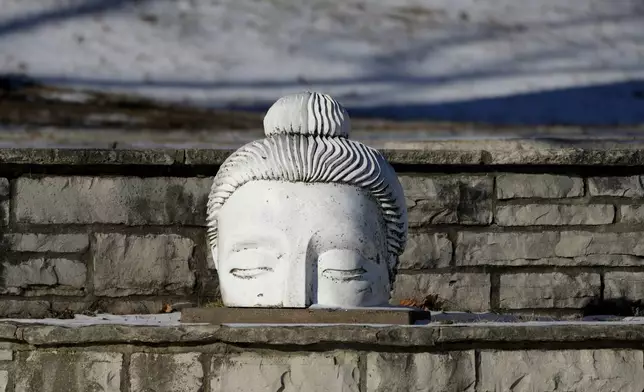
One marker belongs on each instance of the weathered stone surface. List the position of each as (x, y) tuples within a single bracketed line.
[(427, 372), (5, 188), (122, 200), (4, 212), (151, 264), (254, 372), (68, 371), (6, 355), (475, 152), (210, 156), (61, 306), (448, 199), (425, 250), (548, 290), (562, 370), (44, 276), (568, 248), (616, 186), (125, 306), (428, 336), (626, 285), (632, 214), (583, 243), (504, 248), (166, 372), (61, 243), (90, 156), (554, 214), (28, 309), (4, 380), (547, 186), (459, 291)]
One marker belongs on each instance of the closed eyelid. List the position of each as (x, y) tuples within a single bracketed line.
[(250, 273), (344, 275)]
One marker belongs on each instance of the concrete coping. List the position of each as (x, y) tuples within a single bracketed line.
[(421, 336), (477, 153)]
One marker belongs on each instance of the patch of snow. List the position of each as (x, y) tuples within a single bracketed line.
[(503, 61), (161, 320), (66, 96)]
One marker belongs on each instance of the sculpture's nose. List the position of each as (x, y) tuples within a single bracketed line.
[(301, 284), (298, 282)]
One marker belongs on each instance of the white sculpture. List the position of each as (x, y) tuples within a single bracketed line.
[(306, 216)]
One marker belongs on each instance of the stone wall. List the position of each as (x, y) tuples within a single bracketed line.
[(523, 241), (197, 358), (124, 232)]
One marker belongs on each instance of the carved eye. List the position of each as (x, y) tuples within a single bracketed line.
[(342, 265), (249, 273), (344, 275), (252, 263)]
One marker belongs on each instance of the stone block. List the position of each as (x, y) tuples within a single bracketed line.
[(44, 276), (545, 186), (12, 308), (426, 250), (616, 186), (633, 214), (5, 188), (118, 200), (166, 372), (126, 306), (136, 265), (603, 370), (448, 199), (68, 371), (583, 243), (427, 372), (504, 248), (626, 285), (4, 380), (567, 248), (264, 372), (59, 243), (554, 215), (66, 307), (458, 291), (548, 290), (6, 355)]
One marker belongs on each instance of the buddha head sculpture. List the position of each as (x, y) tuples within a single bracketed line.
[(306, 216)]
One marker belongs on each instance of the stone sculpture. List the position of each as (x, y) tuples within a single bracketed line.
[(306, 216)]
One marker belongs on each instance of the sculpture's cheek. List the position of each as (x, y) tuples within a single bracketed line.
[(261, 290), (251, 278), (346, 278)]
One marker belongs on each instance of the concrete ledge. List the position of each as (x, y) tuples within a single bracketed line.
[(437, 153), (429, 336)]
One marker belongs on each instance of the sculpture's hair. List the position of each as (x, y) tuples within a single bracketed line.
[(300, 155)]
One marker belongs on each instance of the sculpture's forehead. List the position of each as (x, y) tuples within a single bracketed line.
[(302, 204)]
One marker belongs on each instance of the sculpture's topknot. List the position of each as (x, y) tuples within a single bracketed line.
[(307, 114)]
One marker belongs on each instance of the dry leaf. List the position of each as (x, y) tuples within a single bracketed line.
[(430, 302)]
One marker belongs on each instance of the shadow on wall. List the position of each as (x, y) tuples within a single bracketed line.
[(37, 19), (614, 307)]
